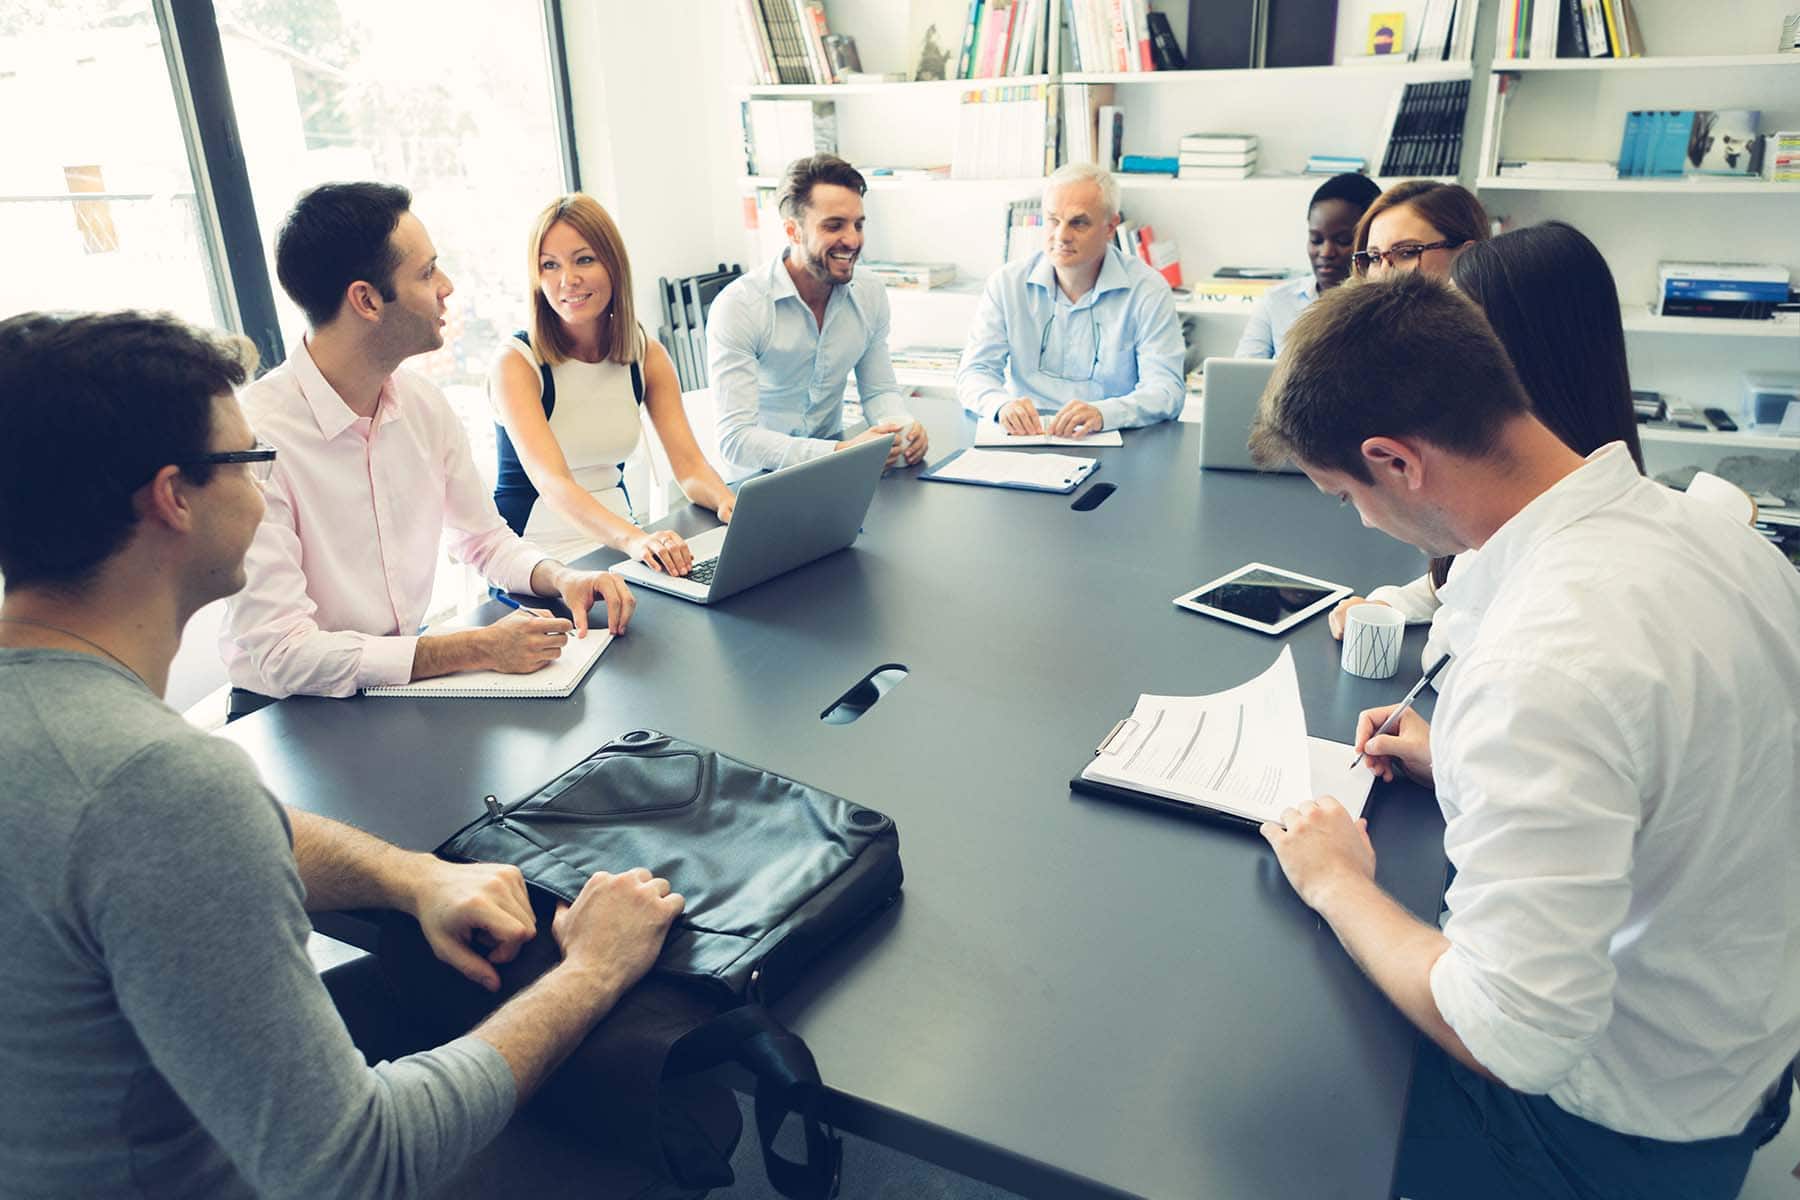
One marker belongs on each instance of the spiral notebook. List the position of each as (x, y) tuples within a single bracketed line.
[(553, 682)]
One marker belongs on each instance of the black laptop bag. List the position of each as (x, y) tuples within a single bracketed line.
[(773, 872)]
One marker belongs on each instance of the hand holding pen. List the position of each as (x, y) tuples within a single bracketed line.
[(1405, 735)]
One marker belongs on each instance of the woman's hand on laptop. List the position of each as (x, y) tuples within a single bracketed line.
[(665, 551)]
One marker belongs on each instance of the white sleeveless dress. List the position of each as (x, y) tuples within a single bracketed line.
[(596, 426)]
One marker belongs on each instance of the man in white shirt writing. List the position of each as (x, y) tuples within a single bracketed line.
[(1615, 996)]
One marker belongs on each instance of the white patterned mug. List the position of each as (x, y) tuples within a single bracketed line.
[(1372, 634)]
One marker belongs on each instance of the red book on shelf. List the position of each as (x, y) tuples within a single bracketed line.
[(1144, 237)]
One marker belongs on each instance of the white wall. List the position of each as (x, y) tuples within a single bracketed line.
[(656, 132)]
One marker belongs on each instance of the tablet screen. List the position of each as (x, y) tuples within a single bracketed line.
[(1264, 596)]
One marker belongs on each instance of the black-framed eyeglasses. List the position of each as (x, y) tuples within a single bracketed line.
[(1403, 255), (1064, 371), (260, 458)]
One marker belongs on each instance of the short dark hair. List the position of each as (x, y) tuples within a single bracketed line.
[(803, 174), (1404, 355), (92, 406), (1358, 191), (1550, 298), (337, 234)]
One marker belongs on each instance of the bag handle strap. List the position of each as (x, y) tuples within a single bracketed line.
[(787, 1082)]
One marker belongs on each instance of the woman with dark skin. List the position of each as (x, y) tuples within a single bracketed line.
[(1331, 219)]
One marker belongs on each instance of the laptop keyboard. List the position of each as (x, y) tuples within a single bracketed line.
[(703, 571)]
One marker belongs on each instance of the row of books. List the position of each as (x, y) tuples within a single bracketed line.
[(1567, 29), (1140, 241), (786, 41), (685, 302), (1024, 229), (1121, 35), (1006, 132), (939, 360), (1691, 142), (1093, 126), (1446, 32), (776, 132), (1005, 37), (1425, 130)]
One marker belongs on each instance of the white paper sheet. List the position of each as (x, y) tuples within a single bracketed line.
[(990, 433), (1243, 751), (1000, 467)]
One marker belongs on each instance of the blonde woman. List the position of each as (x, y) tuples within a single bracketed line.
[(566, 394)]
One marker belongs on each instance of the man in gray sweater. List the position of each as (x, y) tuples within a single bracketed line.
[(162, 1030)]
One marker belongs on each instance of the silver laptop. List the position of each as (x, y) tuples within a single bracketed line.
[(1230, 390), (781, 521)]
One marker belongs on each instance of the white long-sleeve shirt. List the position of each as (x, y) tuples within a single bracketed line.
[(1618, 763)]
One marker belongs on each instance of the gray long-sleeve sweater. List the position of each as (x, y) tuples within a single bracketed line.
[(162, 1030)]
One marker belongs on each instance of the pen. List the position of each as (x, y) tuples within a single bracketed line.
[(1406, 702), (507, 600)]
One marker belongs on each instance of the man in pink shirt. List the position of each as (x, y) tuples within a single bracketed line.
[(374, 468)]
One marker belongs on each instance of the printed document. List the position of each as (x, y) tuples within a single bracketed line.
[(1047, 471), (1244, 751)]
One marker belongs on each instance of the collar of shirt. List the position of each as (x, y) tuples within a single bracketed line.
[(1607, 474), (1112, 278), (781, 287), (329, 411)]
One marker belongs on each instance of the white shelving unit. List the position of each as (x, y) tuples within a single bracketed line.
[(1691, 186), (1671, 62)]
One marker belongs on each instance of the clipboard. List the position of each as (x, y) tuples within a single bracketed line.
[(1075, 479)]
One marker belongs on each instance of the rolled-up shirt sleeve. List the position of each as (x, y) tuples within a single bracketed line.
[(981, 373), (1161, 388), (1258, 340), (272, 623), (1546, 810), (1416, 601)]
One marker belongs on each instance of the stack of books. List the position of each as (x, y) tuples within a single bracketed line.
[(1781, 156), (1737, 291), (1217, 156), (912, 276), (1336, 164), (1425, 129), (1005, 132)]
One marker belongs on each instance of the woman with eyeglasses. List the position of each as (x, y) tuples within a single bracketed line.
[(566, 394), (1331, 219), (1419, 225), (1550, 298)]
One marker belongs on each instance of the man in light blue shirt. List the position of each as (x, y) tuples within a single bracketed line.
[(1078, 337), (781, 340), (1331, 219)]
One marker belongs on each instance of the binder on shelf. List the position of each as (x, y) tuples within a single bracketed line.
[(1222, 34), (684, 302)]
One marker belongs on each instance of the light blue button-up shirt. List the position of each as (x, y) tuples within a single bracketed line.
[(1118, 347), (778, 378), (1273, 315)]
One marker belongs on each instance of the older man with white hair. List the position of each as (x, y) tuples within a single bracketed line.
[(1079, 337)]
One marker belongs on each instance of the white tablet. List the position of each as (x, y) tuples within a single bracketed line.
[(1264, 598)]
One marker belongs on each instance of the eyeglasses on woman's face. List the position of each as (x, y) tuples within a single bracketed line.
[(1403, 257)]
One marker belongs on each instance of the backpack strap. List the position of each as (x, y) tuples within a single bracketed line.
[(546, 381)]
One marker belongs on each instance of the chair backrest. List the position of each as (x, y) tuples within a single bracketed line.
[(1722, 493)]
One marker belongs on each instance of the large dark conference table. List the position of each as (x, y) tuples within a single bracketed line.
[(1075, 997)]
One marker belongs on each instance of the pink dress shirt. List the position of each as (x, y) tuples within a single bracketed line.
[(341, 569)]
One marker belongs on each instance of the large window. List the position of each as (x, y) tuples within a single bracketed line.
[(98, 207)]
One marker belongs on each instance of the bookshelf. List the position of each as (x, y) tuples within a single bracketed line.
[(1674, 62), (1556, 108)]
